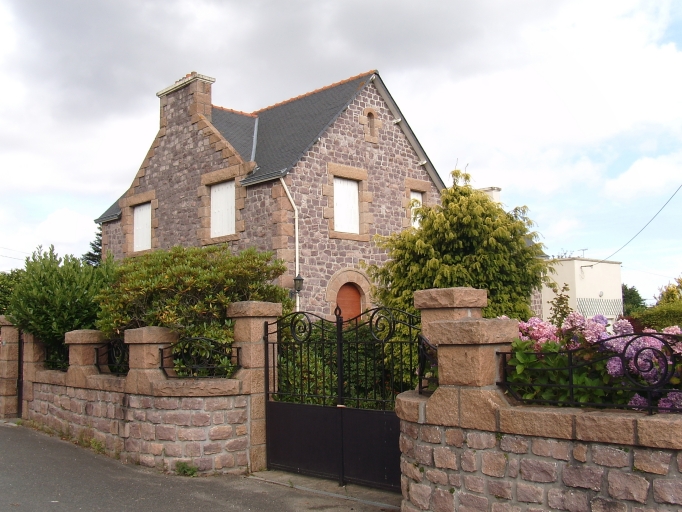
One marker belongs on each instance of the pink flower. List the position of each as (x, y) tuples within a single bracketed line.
[(574, 320)]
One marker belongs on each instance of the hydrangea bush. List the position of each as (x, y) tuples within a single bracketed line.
[(611, 364)]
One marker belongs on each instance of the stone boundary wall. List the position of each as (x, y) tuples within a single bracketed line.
[(466, 448), (217, 425)]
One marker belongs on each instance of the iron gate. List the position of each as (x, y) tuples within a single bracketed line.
[(330, 390)]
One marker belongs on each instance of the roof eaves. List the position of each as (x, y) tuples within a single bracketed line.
[(405, 127), (254, 179), (108, 218)]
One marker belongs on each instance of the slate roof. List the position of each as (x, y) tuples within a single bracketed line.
[(282, 133)]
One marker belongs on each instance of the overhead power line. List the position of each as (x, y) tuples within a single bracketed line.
[(14, 250), (638, 232), (11, 257)]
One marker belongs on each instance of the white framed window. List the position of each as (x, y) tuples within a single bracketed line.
[(222, 209), (346, 206), (142, 227), (415, 196)]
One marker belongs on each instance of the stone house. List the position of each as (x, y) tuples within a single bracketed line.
[(312, 179)]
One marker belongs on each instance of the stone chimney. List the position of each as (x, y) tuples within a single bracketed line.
[(191, 95)]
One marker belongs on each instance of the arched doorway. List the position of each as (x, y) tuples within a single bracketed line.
[(349, 300)]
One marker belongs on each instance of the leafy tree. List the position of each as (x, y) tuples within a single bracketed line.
[(56, 295), (559, 308), (672, 292), (661, 315), (8, 280), (468, 240), (632, 300), (94, 255)]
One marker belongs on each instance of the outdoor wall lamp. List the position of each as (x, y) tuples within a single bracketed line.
[(298, 286)]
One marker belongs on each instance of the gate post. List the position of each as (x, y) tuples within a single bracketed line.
[(249, 317), (9, 369)]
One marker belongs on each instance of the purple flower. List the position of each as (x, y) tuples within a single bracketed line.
[(574, 320), (672, 401), (638, 403), (615, 367), (600, 319), (622, 327), (594, 331)]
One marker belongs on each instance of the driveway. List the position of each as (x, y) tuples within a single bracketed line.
[(42, 473)]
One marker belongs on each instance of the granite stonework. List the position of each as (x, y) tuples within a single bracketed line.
[(9, 368), (188, 150), (217, 425), (466, 448)]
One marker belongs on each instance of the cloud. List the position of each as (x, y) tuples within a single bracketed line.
[(655, 176)]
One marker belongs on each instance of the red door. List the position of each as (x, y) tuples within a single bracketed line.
[(349, 300)]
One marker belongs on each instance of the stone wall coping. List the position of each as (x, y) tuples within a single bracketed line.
[(473, 331), (254, 309), (54, 377), (603, 426), (104, 382), (195, 387), (4, 321), (84, 337), (461, 297), (150, 336)]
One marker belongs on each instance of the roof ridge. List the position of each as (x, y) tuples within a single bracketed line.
[(249, 114), (370, 72)]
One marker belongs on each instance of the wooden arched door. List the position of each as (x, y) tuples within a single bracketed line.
[(349, 301)]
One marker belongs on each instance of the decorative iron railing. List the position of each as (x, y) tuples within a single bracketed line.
[(199, 358), (428, 366), (113, 357), (57, 357), (640, 371), (364, 362)]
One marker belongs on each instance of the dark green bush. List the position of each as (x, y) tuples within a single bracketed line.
[(8, 280), (56, 295), (188, 290), (661, 316)]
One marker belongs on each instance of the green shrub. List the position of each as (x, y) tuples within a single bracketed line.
[(8, 280), (188, 290), (56, 295), (661, 316), (185, 469)]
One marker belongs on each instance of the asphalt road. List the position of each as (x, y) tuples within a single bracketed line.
[(42, 473)]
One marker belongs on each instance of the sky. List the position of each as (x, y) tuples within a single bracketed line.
[(573, 108)]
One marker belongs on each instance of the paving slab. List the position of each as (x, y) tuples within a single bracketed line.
[(42, 473)]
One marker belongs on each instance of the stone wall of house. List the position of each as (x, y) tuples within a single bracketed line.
[(389, 163), (466, 448), (145, 417), (113, 239)]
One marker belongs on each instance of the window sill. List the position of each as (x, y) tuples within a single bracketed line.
[(220, 239), (348, 236)]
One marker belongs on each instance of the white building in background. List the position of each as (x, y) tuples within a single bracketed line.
[(594, 288)]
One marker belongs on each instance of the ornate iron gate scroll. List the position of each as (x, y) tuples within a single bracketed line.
[(330, 390)]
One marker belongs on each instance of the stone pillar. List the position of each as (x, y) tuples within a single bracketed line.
[(34, 360), (145, 344), (9, 368), (249, 318), (82, 356), (468, 368)]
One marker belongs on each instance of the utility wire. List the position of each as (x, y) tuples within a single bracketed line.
[(14, 250), (11, 257), (645, 272), (638, 232)]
